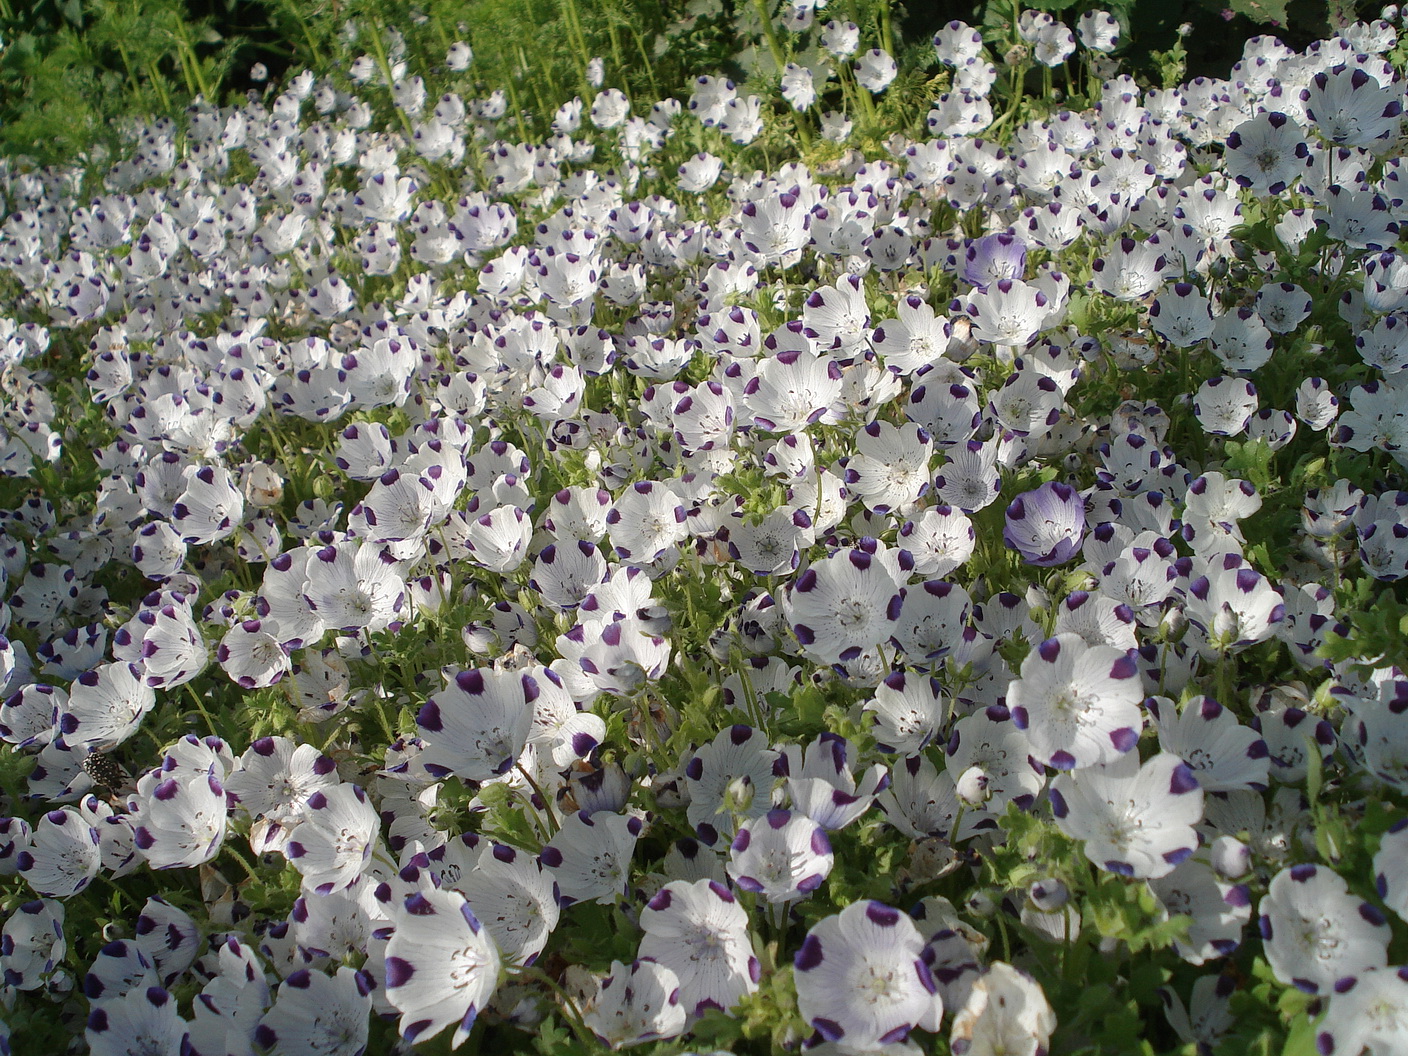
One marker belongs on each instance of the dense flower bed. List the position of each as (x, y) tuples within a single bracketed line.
[(925, 594)]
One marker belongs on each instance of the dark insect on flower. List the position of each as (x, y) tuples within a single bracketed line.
[(105, 771)]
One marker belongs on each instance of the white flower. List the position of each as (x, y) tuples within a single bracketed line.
[(700, 932), (1315, 933), (1135, 821), (861, 979), (441, 965), (1078, 703)]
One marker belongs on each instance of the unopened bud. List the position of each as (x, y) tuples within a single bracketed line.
[(1231, 858), (1174, 625), (973, 786), (738, 796)]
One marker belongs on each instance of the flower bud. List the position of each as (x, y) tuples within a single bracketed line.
[(1231, 858), (738, 796), (1174, 625), (973, 786)]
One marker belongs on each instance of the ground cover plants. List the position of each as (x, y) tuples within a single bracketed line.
[(754, 567)]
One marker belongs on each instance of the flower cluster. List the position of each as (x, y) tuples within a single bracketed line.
[(593, 579)]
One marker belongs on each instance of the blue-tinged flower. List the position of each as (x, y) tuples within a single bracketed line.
[(994, 257), (1047, 525)]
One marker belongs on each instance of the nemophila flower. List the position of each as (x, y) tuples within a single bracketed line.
[(314, 1012), (797, 86), (1224, 406), (62, 856), (782, 856), (1351, 109), (1006, 1013), (733, 775), (890, 467), (791, 390), (621, 656), (822, 787), (836, 317), (1384, 346), (938, 541), (909, 710), (1234, 605), (211, 506), (1212, 509), (168, 937), (862, 981), (332, 845), (252, 656), (1315, 933), (1359, 219), (1219, 910), (1283, 306), (515, 899), (1077, 703), (145, 1020), (1129, 270), (645, 521), (105, 706), (1008, 312), (1099, 31), (32, 944), (273, 780), (710, 98), (875, 69), (1222, 753), (354, 586), (988, 748), (173, 650), (969, 479), (1366, 1014), (1241, 341), (1046, 525), (477, 727), (1135, 820), (994, 257), (178, 822), (1054, 44), (843, 605), (589, 856), (578, 513), (772, 546), (840, 38), (1267, 153), (636, 1003), (700, 932), (15, 834), (957, 44), (913, 340)]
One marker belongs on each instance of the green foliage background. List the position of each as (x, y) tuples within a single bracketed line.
[(73, 72)]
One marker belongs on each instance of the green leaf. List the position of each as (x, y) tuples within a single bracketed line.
[(1265, 11)]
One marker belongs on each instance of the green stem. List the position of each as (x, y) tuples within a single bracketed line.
[(538, 791), (887, 36), (200, 706), (774, 45)]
